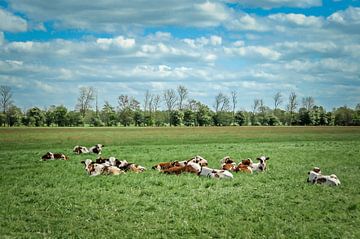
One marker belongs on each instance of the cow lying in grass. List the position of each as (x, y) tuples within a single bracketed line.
[(96, 149), (244, 166), (197, 165), (228, 164), (110, 166), (94, 169), (315, 177), (261, 165), (215, 173), (167, 165), (54, 156)]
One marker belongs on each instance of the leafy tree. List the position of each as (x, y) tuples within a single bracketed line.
[(189, 117), (14, 116), (240, 118), (272, 120), (126, 117), (2, 119), (35, 117), (60, 115), (222, 118), (304, 117), (138, 118), (203, 115), (108, 114), (75, 119), (49, 115), (343, 116), (176, 117)]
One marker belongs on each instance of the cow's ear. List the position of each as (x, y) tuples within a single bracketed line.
[(267, 158), (258, 158), (83, 162)]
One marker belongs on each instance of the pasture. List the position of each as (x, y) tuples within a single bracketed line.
[(57, 199)]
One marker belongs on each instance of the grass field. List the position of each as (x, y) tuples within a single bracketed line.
[(57, 199)]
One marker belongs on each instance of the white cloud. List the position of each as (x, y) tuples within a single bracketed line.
[(2, 38), (349, 16), (11, 23), (215, 40), (267, 4), (297, 19), (117, 16), (253, 52), (347, 20), (119, 41), (247, 22)]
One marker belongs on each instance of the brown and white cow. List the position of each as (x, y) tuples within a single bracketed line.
[(95, 169), (261, 165), (315, 177), (80, 150), (228, 164), (188, 168), (244, 166), (54, 156)]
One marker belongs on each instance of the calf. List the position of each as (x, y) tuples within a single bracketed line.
[(164, 165), (96, 149), (188, 168), (244, 166), (315, 177), (80, 150), (228, 164), (54, 156), (95, 169), (215, 173), (199, 160), (261, 165)]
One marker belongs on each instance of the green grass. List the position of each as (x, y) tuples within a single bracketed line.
[(56, 199)]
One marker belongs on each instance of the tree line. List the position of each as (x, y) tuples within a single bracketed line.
[(174, 107)]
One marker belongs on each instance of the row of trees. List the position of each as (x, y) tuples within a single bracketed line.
[(175, 108)]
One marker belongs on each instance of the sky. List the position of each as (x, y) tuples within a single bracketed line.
[(49, 49)]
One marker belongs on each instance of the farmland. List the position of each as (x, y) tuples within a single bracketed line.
[(57, 199)]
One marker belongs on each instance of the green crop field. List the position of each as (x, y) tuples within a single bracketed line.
[(57, 199)]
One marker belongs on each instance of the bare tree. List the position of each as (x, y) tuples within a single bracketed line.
[(308, 103), (262, 107), (85, 99), (183, 93), (125, 101), (291, 107), (277, 100), (5, 94), (146, 100), (170, 99), (155, 103), (255, 106), (233, 101), (222, 103)]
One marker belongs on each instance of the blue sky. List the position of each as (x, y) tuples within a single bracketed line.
[(256, 48)]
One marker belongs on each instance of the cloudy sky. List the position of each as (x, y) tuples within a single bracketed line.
[(48, 49)]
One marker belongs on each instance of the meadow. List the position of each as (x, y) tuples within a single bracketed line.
[(57, 199)]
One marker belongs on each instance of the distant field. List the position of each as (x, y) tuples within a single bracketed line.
[(56, 199)]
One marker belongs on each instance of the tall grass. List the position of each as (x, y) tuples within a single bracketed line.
[(56, 199)]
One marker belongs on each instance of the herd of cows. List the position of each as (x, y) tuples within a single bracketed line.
[(196, 165)]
